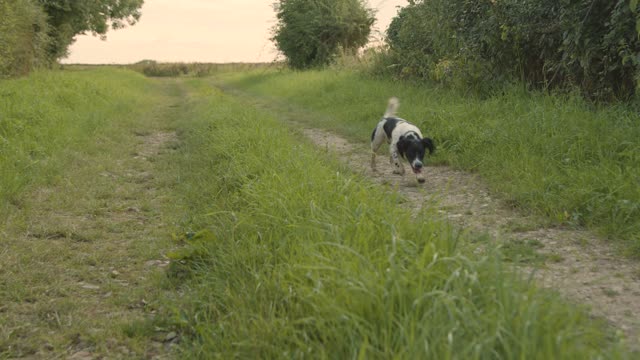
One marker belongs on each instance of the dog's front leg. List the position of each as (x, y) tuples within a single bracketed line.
[(395, 159)]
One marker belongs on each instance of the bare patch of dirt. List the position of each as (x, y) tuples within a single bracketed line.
[(577, 263)]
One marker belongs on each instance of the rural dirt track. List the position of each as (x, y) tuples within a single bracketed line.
[(578, 264), (88, 260)]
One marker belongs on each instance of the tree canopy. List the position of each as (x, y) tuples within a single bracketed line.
[(68, 18), (311, 32), (37, 33)]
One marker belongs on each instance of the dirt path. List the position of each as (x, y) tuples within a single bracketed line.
[(78, 262), (575, 263)]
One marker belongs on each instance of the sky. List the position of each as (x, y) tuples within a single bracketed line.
[(199, 31)]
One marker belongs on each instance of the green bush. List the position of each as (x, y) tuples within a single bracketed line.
[(590, 44), (312, 32), (23, 37)]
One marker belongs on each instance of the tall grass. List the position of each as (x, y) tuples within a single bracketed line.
[(288, 255), (46, 116), (549, 154)]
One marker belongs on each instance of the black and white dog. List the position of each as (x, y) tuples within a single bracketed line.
[(405, 141)]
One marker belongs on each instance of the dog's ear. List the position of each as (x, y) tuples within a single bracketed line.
[(402, 145), (428, 143)]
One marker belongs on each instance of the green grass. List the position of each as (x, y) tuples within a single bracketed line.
[(81, 213), (281, 252), (286, 255), (548, 154), (46, 118)]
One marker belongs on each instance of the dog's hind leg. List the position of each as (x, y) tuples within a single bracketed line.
[(377, 139)]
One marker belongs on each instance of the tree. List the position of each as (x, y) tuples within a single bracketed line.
[(68, 18), (311, 32)]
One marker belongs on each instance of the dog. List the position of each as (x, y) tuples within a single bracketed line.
[(405, 142)]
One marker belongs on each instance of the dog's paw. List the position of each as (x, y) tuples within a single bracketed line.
[(421, 181)]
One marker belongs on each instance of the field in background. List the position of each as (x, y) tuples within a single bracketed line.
[(553, 155), (276, 255)]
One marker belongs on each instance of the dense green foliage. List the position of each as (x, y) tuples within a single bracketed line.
[(552, 155), (293, 256), (311, 32), (36, 33), (68, 18), (23, 37), (591, 44)]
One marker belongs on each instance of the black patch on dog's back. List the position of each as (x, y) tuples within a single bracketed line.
[(389, 125)]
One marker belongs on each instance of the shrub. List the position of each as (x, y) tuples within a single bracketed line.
[(591, 44), (311, 32), (23, 37)]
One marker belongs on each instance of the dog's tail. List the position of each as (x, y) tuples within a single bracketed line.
[(392, 108)]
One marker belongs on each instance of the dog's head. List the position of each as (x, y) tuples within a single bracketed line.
[(413, 149)]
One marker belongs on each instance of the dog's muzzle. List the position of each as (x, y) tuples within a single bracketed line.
[(416, 166)]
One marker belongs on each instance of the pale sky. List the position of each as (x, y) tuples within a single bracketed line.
[(199, 30)]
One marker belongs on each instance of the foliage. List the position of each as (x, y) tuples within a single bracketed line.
[(311, 32), (69, 18), (23, 37), (592, 44), (35, 33)]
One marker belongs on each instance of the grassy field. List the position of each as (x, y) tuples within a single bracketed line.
[(551, 155), (277, 250), (289, 255), (84, 210), (46, 118)]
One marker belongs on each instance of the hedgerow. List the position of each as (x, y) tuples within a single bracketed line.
[(589, 44)]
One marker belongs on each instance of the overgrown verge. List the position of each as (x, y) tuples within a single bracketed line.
[(46, 116), (555, 156), (288, 255)]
